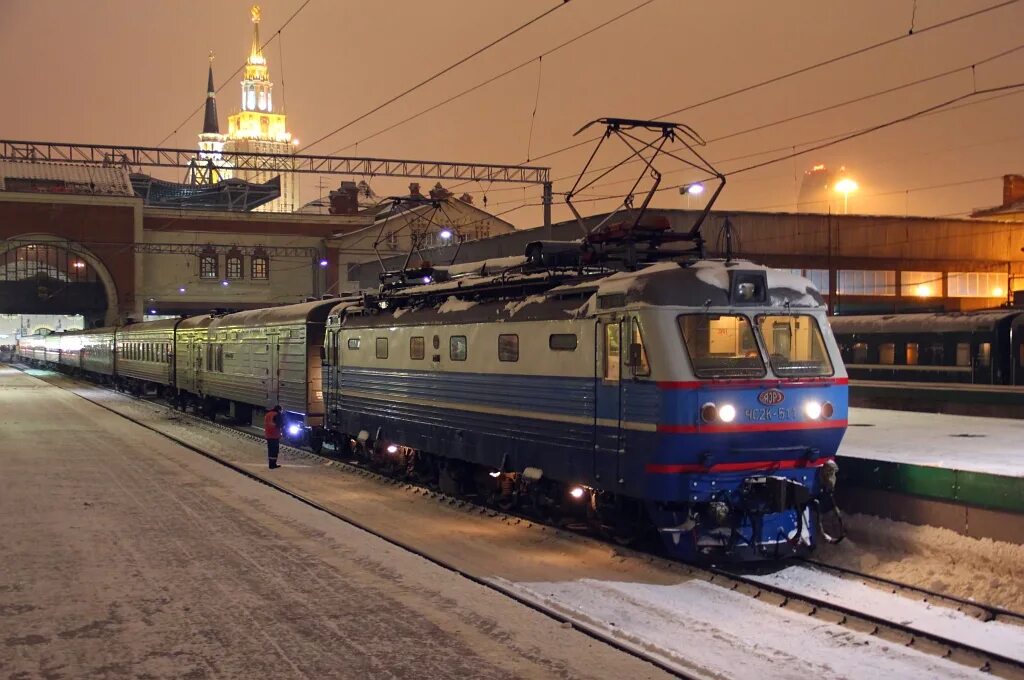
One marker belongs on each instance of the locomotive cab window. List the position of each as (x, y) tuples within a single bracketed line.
[(721, 346), (795, 345), (457, 348), (637, 357), (508, 347)]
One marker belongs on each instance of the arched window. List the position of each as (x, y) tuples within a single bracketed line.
[(233, 264), (259, 265), (208, 264)]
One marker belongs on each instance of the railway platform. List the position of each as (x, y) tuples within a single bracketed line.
[(127, 555), (964, 473)]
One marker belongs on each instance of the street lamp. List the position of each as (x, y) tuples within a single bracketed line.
[(695, 189), (846, 186)]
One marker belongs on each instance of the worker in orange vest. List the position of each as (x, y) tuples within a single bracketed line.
[(272, 423)]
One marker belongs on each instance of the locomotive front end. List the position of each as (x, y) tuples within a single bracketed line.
[(745, 464)]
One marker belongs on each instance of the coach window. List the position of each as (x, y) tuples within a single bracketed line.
[(912, 354), (353, 343), (259, 265), (887, 353), (963, 354), (611, 351), (458, 348), (382, 348), (860, 353), (417, 347), (508, 347), (985, 354), (208, 264), (562, 342)]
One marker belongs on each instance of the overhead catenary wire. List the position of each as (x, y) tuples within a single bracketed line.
[(231, 78), (805, 69), (438, 74), (497, 77)]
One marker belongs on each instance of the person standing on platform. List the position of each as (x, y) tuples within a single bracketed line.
[(272, 423)]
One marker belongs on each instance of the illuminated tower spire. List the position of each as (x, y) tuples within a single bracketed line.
[(256, 85), (210, 125)]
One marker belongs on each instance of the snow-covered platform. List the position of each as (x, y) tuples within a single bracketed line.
[(964, 473), (126, 555), (988, 445)]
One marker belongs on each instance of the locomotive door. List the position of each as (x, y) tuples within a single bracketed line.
[(609, 443)]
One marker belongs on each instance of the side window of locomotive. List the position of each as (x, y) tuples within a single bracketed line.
[(508, 347), (458, 348), (417, 347), (721, 346), (637, 352), (611, 351), (795, 345), (353, 343), (562, 342), (382, 348)]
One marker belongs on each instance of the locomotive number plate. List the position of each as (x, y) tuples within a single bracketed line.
[(770, 413)]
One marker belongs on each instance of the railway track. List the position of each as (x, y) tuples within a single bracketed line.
[(854, 619)]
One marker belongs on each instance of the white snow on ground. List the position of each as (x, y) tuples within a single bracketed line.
[(1006, 639), (994, 445), (984, 570), (697, 623)]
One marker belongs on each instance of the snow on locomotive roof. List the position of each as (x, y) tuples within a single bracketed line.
[(703, 282), (937, 322)]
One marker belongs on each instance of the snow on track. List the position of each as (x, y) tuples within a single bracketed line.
[(996, 637), (700, 624)]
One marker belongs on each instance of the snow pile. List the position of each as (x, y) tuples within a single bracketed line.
[(987, 571), (695, 624)]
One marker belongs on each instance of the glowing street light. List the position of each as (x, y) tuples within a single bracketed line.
[(688, 190), (846, 186)]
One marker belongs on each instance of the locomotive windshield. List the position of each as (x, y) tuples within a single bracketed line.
[(721, 346), (795, 345)]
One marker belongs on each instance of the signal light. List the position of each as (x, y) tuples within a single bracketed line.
[(813, 410), (827, 410), (727, 413), (709, 412)]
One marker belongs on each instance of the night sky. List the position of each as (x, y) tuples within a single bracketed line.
[(129, 72)]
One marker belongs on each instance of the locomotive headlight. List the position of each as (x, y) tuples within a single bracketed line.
[(392, 448), (294, 429), (812, 409), (577, 492), (727, 413), (708, 412)]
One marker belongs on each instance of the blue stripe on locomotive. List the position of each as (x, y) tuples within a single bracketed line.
[(570, 445)]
